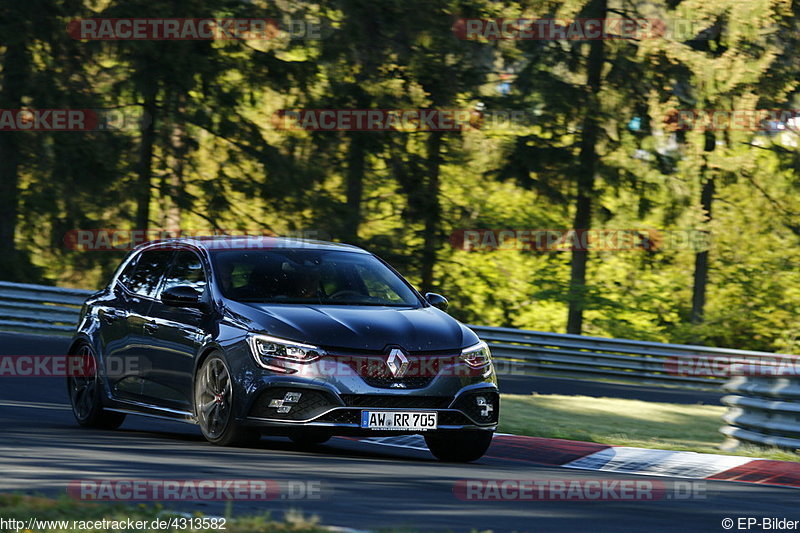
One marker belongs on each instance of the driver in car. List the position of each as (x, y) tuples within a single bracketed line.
[(303, 281)]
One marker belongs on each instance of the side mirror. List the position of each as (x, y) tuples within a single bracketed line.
[(436, 300), (181, 296)]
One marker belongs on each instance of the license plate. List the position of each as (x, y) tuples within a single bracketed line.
[(408, 420)]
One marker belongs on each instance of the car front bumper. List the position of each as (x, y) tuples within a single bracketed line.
[(474, 407), (329, 395)]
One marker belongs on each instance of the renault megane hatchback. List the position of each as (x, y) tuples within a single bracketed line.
[(306, 339)]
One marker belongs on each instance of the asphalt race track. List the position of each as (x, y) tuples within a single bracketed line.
[(363, 485)]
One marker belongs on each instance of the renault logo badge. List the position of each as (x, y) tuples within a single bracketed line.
[(397, 362)]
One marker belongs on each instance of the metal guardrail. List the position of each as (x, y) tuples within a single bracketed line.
[(598, 357), (39, 308), (42, 309), (764, 411)]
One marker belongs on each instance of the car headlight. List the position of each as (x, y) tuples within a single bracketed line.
[(477, 356), (266, 348)]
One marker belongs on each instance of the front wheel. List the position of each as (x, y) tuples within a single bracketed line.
[(459, 446), (85, 392), (214, 402)]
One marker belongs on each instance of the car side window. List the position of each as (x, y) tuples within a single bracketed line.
[(149, 268), (186, 269), (127, 273)]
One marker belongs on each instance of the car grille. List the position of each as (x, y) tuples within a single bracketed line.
[(421, 371), (454, 418), (312, 403), (416, 382), (396, 401), (341, 416)]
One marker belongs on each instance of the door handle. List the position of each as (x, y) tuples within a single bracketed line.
[(112, 315), (150, 327)]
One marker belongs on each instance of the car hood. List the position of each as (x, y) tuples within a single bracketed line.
[(358, 327)]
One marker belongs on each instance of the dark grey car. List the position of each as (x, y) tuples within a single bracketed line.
[(245, 336)]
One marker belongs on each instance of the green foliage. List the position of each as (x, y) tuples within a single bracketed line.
[(221, 160)]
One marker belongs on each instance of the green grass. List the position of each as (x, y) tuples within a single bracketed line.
[(624, 422), (21, 507)]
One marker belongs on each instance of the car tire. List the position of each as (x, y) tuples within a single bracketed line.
[(310, 437), (85, 393), (214, 405), (458, 446)]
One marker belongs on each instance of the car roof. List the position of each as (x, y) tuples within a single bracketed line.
[(256, 242)]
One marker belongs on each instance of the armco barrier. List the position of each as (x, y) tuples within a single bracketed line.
[(763, 411), (42, 309), (39, 309), (598, 357)]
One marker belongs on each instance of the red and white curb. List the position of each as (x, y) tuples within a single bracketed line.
[(626, 460), (658, 462)]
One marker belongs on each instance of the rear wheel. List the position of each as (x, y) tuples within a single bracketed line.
[(214, 403), (458, 446), (85, 392)]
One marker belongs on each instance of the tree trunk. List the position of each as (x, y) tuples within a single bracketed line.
[(355, 187), (145, 163), (15, 68), (176, 198), (587, 167), (701, 258), (432, 214)]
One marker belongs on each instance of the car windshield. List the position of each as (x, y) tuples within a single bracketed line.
[(310, 277)]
